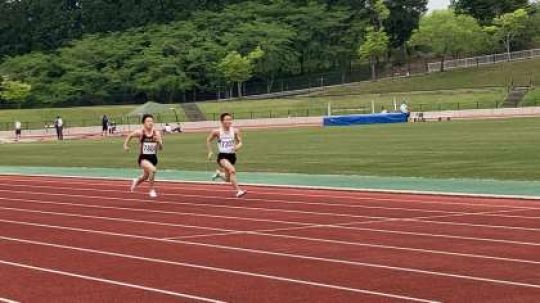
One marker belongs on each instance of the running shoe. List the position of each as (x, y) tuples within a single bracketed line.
[(241, 193), (216, 176), (153, 194)]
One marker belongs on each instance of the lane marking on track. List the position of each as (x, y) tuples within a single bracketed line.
[(215, 269), (344, 226), (145, 210), (354, 206), (285, 255), (5, 300), (352, 192), (312, 239), (281, 193), (453, 214), (107, 281)]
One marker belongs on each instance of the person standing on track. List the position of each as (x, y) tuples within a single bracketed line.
[(150, 142), (229, 142), (104, 126), (18, 130), (59, 125)]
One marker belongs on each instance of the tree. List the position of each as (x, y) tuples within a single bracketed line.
[(375, 40), (445, 33), (14, 91), (237, 68), (485, 11), (375, 44), (508, 26), (403, 20)]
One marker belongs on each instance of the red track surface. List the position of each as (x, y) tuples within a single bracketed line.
[(77, 240)]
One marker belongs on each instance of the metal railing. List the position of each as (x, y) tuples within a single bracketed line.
[(484, 60)]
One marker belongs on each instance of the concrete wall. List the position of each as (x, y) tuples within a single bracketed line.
[(483, 113)]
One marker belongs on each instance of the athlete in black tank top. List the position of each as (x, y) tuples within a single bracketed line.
[(149, 146)]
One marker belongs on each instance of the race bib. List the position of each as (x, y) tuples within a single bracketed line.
[(227, 144), (149, 148)]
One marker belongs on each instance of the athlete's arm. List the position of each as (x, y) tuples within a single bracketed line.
[(239, 142), (209, 140), (159, 140), (129, 137)]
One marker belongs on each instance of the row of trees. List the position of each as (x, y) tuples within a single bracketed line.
[(136, 50), (445, 33)]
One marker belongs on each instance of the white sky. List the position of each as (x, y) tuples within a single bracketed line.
[(438, 4)]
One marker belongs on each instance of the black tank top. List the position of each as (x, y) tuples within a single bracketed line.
[(149, 144)]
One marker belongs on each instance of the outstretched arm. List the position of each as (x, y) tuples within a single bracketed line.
[(129, 137), (159, 140), (209, 140), (239, 142)]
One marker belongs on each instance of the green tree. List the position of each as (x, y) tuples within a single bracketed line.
[(375, 44), (376, 40), (403, 20), (14, 91), (447, 34), (508, 26), (237, 68), (485, 11)]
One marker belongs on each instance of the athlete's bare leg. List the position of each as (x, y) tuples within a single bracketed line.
[(230, 176)]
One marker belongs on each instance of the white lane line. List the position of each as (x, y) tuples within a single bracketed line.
[(354, 206), (285, 255), (166, 202), (216, 269), (400, 248), (115, 219), (145, 210), (107, 281), (445, 236), (312, 239), (337, 193), (253, 208), (4, 300), (205, 235), (474, 225), (303, 225)]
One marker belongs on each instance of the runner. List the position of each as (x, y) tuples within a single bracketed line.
[(229, 142), (150, 142)]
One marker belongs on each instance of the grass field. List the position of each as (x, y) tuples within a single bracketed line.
[(497, 75), (482, 87), (497, 149), (318, 105)]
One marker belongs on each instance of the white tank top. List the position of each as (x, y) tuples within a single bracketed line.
[(226, 141)]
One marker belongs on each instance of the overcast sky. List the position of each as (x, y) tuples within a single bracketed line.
[(437, 4)]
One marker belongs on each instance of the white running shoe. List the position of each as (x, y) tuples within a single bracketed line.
[(153, 194), (133, 185), (241, 193), (216, 176)]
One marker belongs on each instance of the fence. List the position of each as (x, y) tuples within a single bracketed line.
[(483, 60), (316, 110)]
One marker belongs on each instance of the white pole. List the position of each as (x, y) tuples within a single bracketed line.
[(395, 104), (372, 106), (329, 108)]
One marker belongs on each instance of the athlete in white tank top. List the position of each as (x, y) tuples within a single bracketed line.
[(229, 141), (226, 141)]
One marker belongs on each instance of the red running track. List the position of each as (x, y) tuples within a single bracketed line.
[(87, 240)]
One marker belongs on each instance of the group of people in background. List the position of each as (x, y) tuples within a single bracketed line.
[(107, 127), (58, 125)]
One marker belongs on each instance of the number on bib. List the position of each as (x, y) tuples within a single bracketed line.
[(149, 148)]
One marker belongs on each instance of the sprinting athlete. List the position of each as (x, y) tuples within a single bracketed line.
[(150, 142), (229, 142)]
